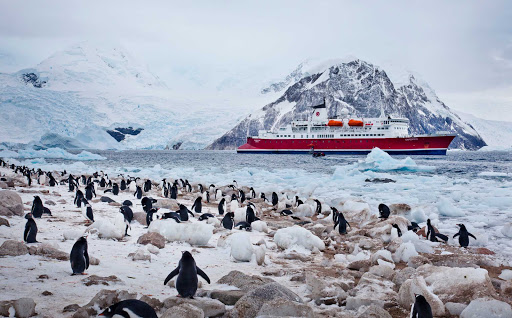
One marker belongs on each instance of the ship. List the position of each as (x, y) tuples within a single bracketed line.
[(346, 135)]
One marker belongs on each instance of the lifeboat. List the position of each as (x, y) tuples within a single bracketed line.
[(354, 122), (335, 123)]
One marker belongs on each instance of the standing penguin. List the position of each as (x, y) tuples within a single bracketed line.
[(138, 193), (128, 217), (87, 211), (149, 216), (249, 215), (78, 198), (318, 206), (398, 231), (147, 186), (432, 235), (206, 196), (132, 308), (463, 235), (252, 193), (37, 207), (275, 199), (184, 212), (89, 191), (228, 220), (341, 223), (384, 211), (187, 271), (241, 195), (115, 189), (197, 206), (123, 185), (222, 206), (71, 183), (421, 308), (174, 191), (30, 233), (79, 257)]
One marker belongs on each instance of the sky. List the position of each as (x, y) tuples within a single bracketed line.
[(463, 49)]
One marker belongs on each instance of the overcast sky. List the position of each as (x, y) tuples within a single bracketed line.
[(463, 49)]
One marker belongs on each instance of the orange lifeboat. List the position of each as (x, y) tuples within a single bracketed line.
[(354, 122), (335, 123)]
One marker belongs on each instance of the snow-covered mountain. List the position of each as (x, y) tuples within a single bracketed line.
[(496, 134), (362, 88), (77, 95)]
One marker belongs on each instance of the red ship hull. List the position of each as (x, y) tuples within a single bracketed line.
[(421, 145)]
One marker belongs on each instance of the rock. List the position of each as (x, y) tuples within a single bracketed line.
[(153, 249), (99, 280), (170, 204), (400, 208), (5, 305), (85, 312), (417, 261), (506, 288), (483, 251), (116, 204), (298, 257), (140, 255), (244, 282), (281, 307), (382, 271), (48, 251), (4, 222), (371, 289), (383, 255), (361, 265), (103, 299), (241, 247), (373, 311), (252, 302), (153, 238), (227, 297), (210, 307), (418, 286), (183, 311), (155, 303), (458, 285), (47, 293), (13, 248), (71, 308), (106, 199), (488, 308), (402, 275), (455, 309), (140, 217), (3, 185), (24, 307), (61, 201), (93, 261), (49, 202), (10, 203)]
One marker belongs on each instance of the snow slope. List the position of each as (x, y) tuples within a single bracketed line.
[(496, 134)]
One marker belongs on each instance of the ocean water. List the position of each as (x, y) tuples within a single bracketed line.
[(474, 188)]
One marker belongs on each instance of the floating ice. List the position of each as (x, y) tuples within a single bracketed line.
[(507, 229), (379, 160), (296, 235), (194, 233), (51, 153), (446, 208)]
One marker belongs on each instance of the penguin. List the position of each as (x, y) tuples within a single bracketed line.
[(71, 183), (115, 189), (235, 183), (184, 212), (275, 199), (228, 220), (318, 207), (79, 257), (222, 206), (201, 188), (205, 216), (172, 215), (413, 227), (128, 217), (286, 212), (29, 179), (132, 308), (165, 191), (218, 194), (206, 196), (174, 192), (123, 185), (432, 235), (149, 216), (147, 186), (89, 191), (298, 201), (103, 183), (187, 271), (78, 198), (421, 308), (249, 215), (147, 204), (188, 187), (197, 206), (52, 181), (127, 203), (138, 193), (384, 211), (334, 214), (252, 193), (463, 235), (262, 196), (30, 233), (241, 195), (87, 211), (37, 207), (243, 226), (398, 230), (342, 223)]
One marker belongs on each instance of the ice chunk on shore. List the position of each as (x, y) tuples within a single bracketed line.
[(507, 230), (404, 252), (194, 233), (107, 229), (489, 308), (51, 153), (296, 235), (241, 247)]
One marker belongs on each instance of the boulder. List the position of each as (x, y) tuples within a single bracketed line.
[(13, 248), (24, 307), (103, 299), (99, 280), (49, 251), (488, 308), (183, 311), (402, 275), (4, 222), (140, 255), (418, 286), (250, 304), (49, 202), (10, 203), (244, 282), (170, 204), (71, 308), (227, 297), (153, 238), (373, 311), (371, 289), (210, 307), (281, 307), (455, 309), (140, 217), (155, 303)]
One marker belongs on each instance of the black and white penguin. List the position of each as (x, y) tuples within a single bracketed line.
[(184, 212), (206, 196), (30, 233), (37, 207), (341, 222), (174, 192), (187, 271), (262, 196), (71, 183), (89, 191), (123, 185), (147, 186), (172, 215), (243, 226), (286, 212), (228, 220), (318, 206), (149, 216), (413, 227), (197, 206), (165, 191), (188, 187), (205, 216), (103, 183), (147, 204), (218, 194), (78, 198), (384, 211), (249, 215), (421, 308), (222, 206), (115, 189), (127, 203), (275, 199), (131, 308), (52, 182), (87, 211), (79, 257), (398, 231), (463, 235), (128, 217), (138, 193), (200, 187), (432, 235), (241, 195)]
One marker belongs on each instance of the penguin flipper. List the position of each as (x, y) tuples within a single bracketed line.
[(86, 259), (203, 274), (335, 224), (442, 237), (348, 224), (472, 235), (25, 235), (192, 214), (172, 274), (457, 234)]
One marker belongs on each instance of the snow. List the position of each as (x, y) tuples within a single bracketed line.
[(506, 274), (297, 236), (496, 134), (507, 230), (446, 208), (50, 153), (241, 247), (106, 229), (489, 308), (405, 252), (194, 232), (260, 226)]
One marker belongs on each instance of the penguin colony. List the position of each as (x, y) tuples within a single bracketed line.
[(226, 199)]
